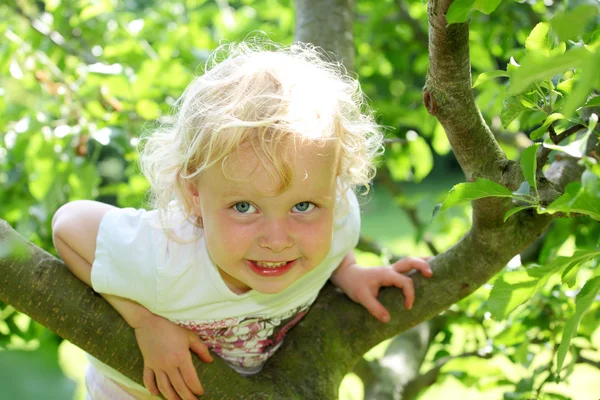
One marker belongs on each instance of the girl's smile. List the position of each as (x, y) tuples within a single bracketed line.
[(271, 269)]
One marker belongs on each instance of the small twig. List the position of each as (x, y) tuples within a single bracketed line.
[(415, 386), (557, 138), (583, 360), (541, 158), (395, 140), (367, 244), (548, 379), (519, 139), (543, 153)]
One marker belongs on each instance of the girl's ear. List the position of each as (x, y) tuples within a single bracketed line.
[(191, 193)]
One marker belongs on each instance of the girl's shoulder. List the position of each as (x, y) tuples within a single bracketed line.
[(172, 223)]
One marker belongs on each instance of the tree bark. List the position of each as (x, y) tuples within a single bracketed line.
[(334, 335), (327, 24)]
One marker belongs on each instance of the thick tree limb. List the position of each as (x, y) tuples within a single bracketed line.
[(448, 96)]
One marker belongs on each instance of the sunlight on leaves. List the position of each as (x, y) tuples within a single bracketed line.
[(469, 191), (585, 298), (529, 165)]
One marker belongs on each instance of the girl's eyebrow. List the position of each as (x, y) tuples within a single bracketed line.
[(250, 195)]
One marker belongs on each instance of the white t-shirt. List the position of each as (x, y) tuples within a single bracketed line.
[(136, 259)]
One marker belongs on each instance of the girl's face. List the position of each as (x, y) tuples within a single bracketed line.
[(258, 238)]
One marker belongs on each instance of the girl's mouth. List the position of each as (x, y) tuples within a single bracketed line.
[(270, 269)]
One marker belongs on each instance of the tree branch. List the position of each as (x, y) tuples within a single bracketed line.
[(415, 386), (557, 138), (448, 95), (328, 24)]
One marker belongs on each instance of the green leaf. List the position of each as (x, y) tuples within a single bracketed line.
[(526, 102), (535, 68), (514, 288), (511, 290), (398, 162), (83, 180), (593, 102), (421, 158), (529, 164), (586, 83), (469, 191), (512, 109), (537, 41), (559, 49), (591, 182), (522, 353), (486, 76), (515, 210), (569, 275), (487, 6), (40, 164), (539, 132), (576, 200), (571, 25), (459, 11), (585, 298), (565, 86), (579, 256)]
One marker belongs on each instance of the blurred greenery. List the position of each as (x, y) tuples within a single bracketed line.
[(80, 80)]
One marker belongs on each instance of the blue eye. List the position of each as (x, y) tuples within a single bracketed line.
[(304, 206), (244, 207)]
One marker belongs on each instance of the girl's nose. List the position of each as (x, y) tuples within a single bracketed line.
[(276, 236)]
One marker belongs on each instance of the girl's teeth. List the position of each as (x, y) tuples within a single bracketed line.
[(270, 265)]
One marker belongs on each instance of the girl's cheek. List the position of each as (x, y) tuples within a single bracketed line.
[(234, 232), (318, 236)]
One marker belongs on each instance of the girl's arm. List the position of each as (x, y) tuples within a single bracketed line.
[(74, 230), (164, 345), (362, 284)]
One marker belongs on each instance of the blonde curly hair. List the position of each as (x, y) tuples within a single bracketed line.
[(264, 94)]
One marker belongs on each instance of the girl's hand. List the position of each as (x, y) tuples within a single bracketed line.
[(362, 284), (167, 358)]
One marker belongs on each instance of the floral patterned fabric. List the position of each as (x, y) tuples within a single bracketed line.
[(246, 343)]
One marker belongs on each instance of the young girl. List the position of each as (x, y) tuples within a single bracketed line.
[(254, 210)]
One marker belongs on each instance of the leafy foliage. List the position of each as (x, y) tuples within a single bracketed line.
[(79, 81)]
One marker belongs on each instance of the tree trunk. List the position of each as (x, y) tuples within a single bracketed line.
[(334, 335)]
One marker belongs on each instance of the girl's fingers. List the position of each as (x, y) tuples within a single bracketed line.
[(179, 385), (370, 302), (408, 288), (149, 381), (165, 386), (410, 263), (190, 377), (201, 349)]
